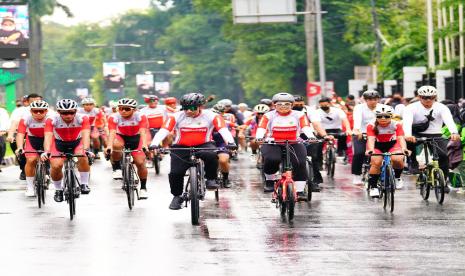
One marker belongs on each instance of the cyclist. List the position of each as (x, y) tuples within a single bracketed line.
[(229, 108), (93, 113), (170, 105), (223, 153), (363, 114), (67, 132), (31, 127), (251, 125), (284, 124), (425, 118), (155, 114), (128, 129), (244, 109), (193, 127), (385, 135)]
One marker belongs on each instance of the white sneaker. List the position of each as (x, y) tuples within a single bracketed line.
[(30, 192), (399, 183), (143, 194), (374, 192), (357, 180), (118, 174)]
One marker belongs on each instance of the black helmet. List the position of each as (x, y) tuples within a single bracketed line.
[(370, 94), (298, 98), (192, 99)]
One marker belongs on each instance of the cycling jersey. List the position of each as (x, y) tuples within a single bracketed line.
[(28, 125), (363, 115), (155, 116), (332, 119), (252, 125), (284, 127), (416, 113), (94, 114), (230, 120), (385, 134), (127, 127), (193, 131), (67, 132)]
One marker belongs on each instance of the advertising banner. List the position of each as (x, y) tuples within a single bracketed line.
[(14, 31)]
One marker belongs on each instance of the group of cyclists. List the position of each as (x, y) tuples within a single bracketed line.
[(358, 129)]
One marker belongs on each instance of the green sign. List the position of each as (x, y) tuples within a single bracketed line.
[(8, 77)]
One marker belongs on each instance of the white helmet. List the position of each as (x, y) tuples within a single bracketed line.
[(383, 109), (261, 108), (39, 105), (127, 102), (226, 102), (283, 97), (87, 101), (244, 105), (67, 104), (427, 90), (113, 104)]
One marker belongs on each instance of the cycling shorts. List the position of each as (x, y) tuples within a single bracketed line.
[(131, 142), (392, 146), (35, 144)]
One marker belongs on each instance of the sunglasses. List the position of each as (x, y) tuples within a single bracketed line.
[(383, 117), (284, 104), (87, 104), (127, 109), (189, 107), (427, 97), (67, 112), (38, 111)]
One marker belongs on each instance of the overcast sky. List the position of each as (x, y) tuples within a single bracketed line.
[(95, 10)]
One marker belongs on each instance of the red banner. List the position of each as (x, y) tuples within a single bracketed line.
[(313, 89)]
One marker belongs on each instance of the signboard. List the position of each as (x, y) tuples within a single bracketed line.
[(264, 11), (82, 92), (14, 31), (314, 88), (114, 74), (162, 87), (145, 84)]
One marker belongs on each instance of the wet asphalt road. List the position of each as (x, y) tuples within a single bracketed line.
[(341, 232)]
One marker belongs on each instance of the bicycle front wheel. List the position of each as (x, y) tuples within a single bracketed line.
[(39, 183), (308, 187), (390, 188), (70, 186), (290, 201), (439, 185), (156, 164), (425, 186), (194, 195), (129, 185)]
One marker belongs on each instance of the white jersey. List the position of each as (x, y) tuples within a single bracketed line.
[(332, 119), (416, 113), (363, 116)]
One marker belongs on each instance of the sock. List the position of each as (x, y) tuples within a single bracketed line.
[(30, 182), (254, 151), (373, 180), (116, 165), (143, 184), (398, 172), (300, 186), (84, 177), (225, 175), (57, 184)]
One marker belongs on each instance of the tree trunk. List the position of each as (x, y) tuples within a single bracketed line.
[(310, 39), (35, 70)]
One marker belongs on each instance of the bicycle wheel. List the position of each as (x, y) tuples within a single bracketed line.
[(281, 201), (219, 179), (308, 186), (69, 188), (129, 185), (290, 201), (194, 195), (439, 185), (38, 184), (424, 185), (156, 163), (333, 163), (389, 189)]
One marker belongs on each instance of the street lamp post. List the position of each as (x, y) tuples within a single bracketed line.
[(114, 46)]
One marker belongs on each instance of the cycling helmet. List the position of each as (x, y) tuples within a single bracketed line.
[(170, 100), (127, 102), (219, 107), (283, 97), (39, 105), (298, 98), (226, 102), (261, 108), (148, 98), (113, 104), (244, 105), (192, 99), (370, 94), (427, 90), (384, 109), (66, 104), (87, 101), (268, 102)]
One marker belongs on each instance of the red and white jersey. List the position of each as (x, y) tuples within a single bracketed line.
[(194, 131), (229, 119), (252, 124), (127, 127), (95, 113), (170, 111), (64, 131), (28, 125), (155, 116), (387, 133), (284, 127)]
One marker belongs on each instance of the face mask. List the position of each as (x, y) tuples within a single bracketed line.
[(325, 108), (298, 108)]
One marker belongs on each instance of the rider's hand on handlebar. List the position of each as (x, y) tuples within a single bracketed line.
[(45, 156), (410, 139), (455, 137), (368, 152), (329, 137), (19, 152), (406, 152), (89, 153)]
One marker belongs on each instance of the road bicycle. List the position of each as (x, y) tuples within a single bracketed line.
[(41, 178), (330, 154)]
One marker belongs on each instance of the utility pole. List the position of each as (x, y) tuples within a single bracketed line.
[(321, 52), (379, 46), (309, 24), (429, 14), (461, 47)]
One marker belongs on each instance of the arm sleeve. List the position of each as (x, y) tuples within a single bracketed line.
[(85, 123), (143, 122), (161, 134), (448, 120), (370, 131), (169, 123), (399, 130), (22, 127), (357, 117), (111, 123), (407, 120), (308, 131), (48, 125), (262, 126), (218, 123), (226, 134)]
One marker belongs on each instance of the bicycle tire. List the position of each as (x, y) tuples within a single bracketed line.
[(439, 185), (128, 184), (281, 202), (156, 164), (333, 163), (38, 184), (389, 189), (308, 187), (424, 185), (69, 182), (328, 161), (194, 195), (219, 179), (290, 201)]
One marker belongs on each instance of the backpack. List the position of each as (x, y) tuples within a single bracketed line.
[(423, 126)]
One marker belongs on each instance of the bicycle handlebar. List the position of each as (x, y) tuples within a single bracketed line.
[(387, 154), (428, 139)]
